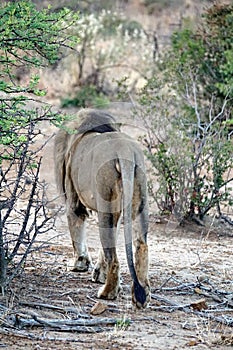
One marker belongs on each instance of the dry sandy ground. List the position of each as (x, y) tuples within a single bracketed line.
[(184, 265), (187, 265)]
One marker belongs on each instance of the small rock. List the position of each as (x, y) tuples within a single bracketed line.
[(199, 305), (98, 308)]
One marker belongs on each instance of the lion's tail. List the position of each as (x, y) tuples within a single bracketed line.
[(127, 169)]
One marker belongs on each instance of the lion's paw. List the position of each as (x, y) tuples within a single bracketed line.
[(107, 293), (82, 263), (141, 304)]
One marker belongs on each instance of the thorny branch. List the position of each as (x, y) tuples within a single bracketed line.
[(23, 206)]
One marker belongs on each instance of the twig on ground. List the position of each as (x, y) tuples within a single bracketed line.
[(66, 325), (64, 310), (23, 334), (181, 286), (188, 308)]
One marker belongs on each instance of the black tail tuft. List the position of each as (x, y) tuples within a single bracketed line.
[(140, 294)]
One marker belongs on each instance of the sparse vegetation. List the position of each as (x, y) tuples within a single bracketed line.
[(107, 44), (87, 96), (191, 150)]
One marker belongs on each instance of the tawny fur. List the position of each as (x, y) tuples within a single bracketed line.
[(102, 169)]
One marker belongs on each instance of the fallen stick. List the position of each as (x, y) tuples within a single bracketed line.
[(32, 336), (167, 301), (65, 310), (78, 325), (179, 287), (228, 321)]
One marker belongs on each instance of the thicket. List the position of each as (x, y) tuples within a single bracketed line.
[(109, 45), (29, 39), (187, 110)]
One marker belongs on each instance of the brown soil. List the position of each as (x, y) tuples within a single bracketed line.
[(187, 264)]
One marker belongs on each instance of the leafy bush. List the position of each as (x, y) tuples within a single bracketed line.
[(189, 140), (190, 161), (87, 96), (28, 38), (209, 51)]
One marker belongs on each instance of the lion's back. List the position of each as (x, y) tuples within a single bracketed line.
[(86, 121)]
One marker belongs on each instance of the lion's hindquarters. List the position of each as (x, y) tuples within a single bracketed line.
[(121, 186)]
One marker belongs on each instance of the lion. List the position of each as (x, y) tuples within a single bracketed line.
[(99, 168)]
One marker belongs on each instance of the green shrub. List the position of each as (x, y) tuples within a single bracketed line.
[(87, 96), (188, 119), (209, 50)]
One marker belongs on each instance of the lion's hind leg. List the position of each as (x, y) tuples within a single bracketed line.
[(141, 267), (108, 233), (112, 284), (141, 256)]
